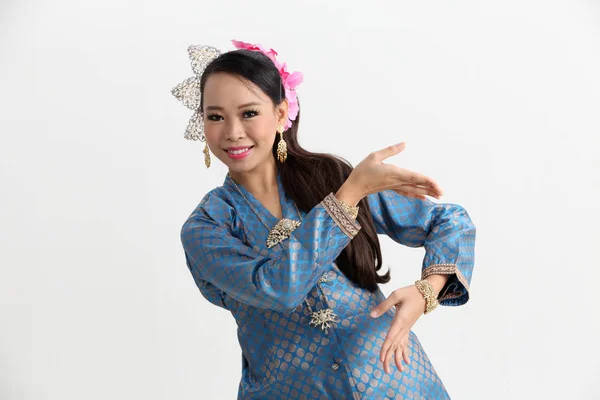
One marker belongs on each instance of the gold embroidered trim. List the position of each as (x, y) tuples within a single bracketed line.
[(450, 295), (446, 269), (439, 269), (352, 211), (347, 224)]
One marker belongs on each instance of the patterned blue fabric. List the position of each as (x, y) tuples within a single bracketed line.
[(283, 357)]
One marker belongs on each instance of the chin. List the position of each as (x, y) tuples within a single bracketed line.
[(239, 166)]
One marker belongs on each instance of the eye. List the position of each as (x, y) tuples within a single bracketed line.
[(213, 117), (250, 113)]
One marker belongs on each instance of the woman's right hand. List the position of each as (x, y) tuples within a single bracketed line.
[(371, 175)]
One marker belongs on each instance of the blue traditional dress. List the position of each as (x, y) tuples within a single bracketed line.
[(266, 290)]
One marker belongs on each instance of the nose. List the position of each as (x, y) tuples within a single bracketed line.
[(234, 130)]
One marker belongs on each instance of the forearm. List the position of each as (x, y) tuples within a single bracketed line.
[(350, 192), (278, 280)]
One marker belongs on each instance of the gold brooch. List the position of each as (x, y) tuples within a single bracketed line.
[(323, 318), (281, 231)]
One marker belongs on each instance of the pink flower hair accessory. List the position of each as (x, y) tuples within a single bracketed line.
[(289, 80)]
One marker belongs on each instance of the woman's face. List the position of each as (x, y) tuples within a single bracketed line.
[(239, 116)]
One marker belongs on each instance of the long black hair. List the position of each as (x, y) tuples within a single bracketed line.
[(308, 177)]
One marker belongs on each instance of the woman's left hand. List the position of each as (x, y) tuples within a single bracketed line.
[(410, 305)]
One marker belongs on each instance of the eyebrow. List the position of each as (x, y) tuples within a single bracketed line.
[(242, 106)]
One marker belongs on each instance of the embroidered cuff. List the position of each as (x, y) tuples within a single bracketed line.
[(342, 218), (452, 289)]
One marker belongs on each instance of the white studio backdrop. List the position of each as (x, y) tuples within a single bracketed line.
[(497, 101)]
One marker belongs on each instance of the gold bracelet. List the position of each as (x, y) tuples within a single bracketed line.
[(352, 211), (428, 293)]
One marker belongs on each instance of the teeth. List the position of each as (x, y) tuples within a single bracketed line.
[(239, 151)]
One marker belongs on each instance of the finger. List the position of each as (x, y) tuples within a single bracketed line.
[(415, 178), (405, 353), (404, 344), (390, 338), (413, 191), (384, 306), (398, 358), (414, 196), (401, 340), (388, 357), (389, 151)]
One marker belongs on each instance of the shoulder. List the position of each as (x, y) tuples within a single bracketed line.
[(216, 207)]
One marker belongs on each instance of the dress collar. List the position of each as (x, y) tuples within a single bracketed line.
[(287, 205)]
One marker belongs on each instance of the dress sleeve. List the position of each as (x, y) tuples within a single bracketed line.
[(274, 280), (207, 289), (445, 230)]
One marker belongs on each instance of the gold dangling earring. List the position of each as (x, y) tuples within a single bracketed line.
[(206, 156), (281, 146)]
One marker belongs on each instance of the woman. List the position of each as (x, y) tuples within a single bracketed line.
[(288, 244)]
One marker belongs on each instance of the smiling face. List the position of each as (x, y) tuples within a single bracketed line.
[(240, 122)]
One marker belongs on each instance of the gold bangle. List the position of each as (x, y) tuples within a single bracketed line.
[(352, 211), (428, 293)]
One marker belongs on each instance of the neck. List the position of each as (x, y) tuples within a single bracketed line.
[(259, 181)]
